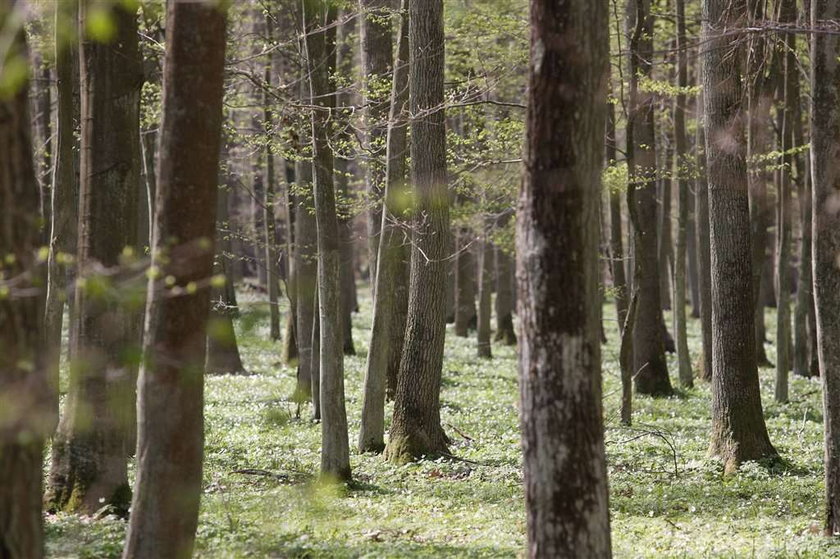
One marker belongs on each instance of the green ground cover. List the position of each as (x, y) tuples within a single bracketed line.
[(667, 498)]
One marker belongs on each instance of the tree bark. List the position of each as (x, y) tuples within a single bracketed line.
[(377, 60), (616, 235), (504, 298), (825, 143), (65, 196), (89, 467), (683, 357), (269, 218), (485, 290), (560, 361), (650, 367), (704, 255), (416, 430), (465, 312), (26, 397), (390, 300), (320, 56), (789, 89), (738, 429), (164, 510)]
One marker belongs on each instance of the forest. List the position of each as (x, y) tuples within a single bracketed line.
[(419, 278)]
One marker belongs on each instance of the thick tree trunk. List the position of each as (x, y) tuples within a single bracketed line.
[(164, 511), (377, 60), (825, 144), (320, 56), (650, 367), (738, 429), (27, 400), (390, 300), (465, 312), (683, 357), (416, 430), (89, 467), (65, 198), (560, 362), (704, 255)]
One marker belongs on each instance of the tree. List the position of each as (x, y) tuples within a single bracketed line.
[(560, 359), (684, 359), (269, 236), (738, 429), (825, 142), (650, 367), (377, 62), (318, 17), (164, 510), (504, 298), (416, 430), (390, 293), (25, 397), (65, 191), (704, 255), (485, 289), (89, 464)]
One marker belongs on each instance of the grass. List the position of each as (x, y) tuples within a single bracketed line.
[(667, 498)]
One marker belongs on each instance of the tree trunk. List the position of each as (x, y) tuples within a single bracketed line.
[(683, 357), (320, 56), (390, 300), (825, 143), (650, 367), (704, 255), (485, 290), (65, 197), (738, 429), (416, 429), (377, 60), (692, 250), (26, 398), (222, 350), (269, 217), (164, 511), (663, 216), (790, 96), (89, 467), (560, 363), (465, 312), (504, 298), (619, 280)]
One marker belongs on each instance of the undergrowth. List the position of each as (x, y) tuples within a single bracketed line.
[(668, 499)]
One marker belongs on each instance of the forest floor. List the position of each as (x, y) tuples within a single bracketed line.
[(667, 498)]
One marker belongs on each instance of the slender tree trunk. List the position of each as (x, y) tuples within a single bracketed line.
[(704, 255), (164, 511), (692, 250), (343, 173), (65, 197), (683, 357), (89, 467), (738, 429), (485, 289), (560, 363), (377, 61), (784, 343), (663, 216), (320, 56), (269, 216), (650, 367), (619, 280), (26, 397), (465, 312), (222, 349), (504, 298), (416, 430), (825, 143), (390, 300)]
